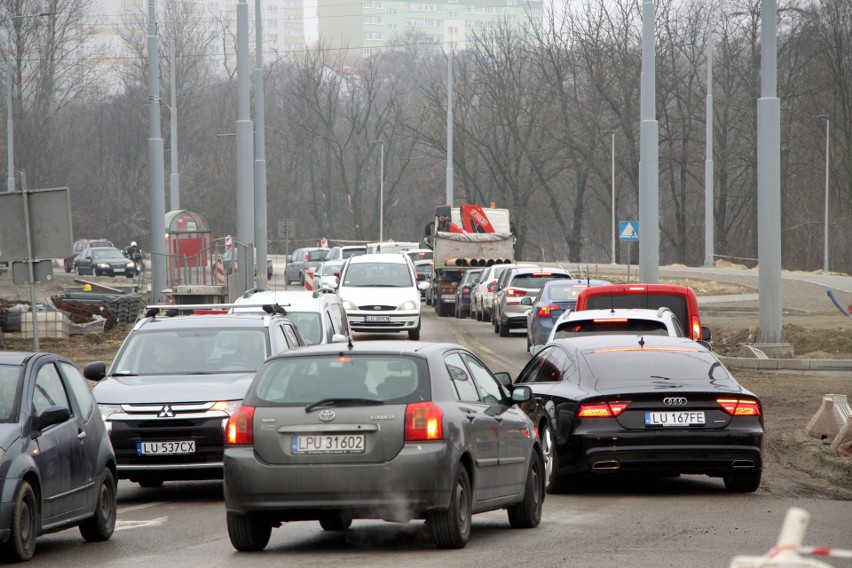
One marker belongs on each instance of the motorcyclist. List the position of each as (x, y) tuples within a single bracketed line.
[(134, 253)]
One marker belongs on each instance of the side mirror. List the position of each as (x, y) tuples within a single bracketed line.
[(705, 333), (95, 371), (535, 348), (527, 301), (428, 231), (521, 393), (504, 378), (51, 415), (339, 338)]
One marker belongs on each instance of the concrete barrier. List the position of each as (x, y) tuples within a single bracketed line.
[(831, 418)]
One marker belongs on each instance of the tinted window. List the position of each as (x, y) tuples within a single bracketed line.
[(566, 292), (535, 280), (49, 390), (617, 326), (465, 388), (309, 326), (79, 388), (489, 388), (546, 366), (668, 369), (10, 378), (677, 304), (302, 380), (354, 252), (317, 254)]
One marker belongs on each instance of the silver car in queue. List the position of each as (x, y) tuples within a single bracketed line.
[(380, 430)]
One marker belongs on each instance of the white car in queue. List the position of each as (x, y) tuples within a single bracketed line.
[(379, 293)]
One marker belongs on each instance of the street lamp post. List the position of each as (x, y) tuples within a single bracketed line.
[(611, 132), (825, 230), (10, 120), (381, 143)]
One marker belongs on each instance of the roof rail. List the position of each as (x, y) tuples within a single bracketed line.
[(171, 310)]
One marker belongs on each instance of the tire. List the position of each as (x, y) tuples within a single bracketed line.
[(248, 533), (743, 481), (150, 483), (102, 524), (527, 513), (68, 268), (301, 279), (451, 528), (335, 523), (24, 526), (553, 482), (77, 271), (414, 334), (503, 329)]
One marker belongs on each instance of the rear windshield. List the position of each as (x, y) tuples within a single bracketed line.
[(353, 252), (317, 254), (535, 280), (630, 326), (662, 369), (303, 380), (566, 292), (676, 304), (420, 255)]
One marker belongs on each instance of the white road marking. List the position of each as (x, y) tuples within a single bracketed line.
[(142, 506), (123, 525)]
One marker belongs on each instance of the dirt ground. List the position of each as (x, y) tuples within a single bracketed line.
[(795, 463)]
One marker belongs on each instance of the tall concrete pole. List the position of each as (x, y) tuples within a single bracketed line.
[(156, 164), (827, 163), (450, 196), (612, 172), (382, 192), (769, 179), (174, 178), (709, 217), (260, 229), (245, 148), (10, 131), (649, 151)]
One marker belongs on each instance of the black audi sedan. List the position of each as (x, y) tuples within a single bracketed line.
[(649, 405), (57, 466)]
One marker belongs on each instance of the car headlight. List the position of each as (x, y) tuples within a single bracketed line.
[(108, 410), (130, 264), (347, 305), (227, 406), (407, 306), (103, 265)]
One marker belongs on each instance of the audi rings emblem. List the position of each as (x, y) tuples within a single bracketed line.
[(675, 401), (326, 415)]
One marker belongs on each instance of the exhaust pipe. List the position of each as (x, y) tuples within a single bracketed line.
[(606, 466), (742, 464)]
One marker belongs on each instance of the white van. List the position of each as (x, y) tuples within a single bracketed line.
[(391, 247), (379, 293)]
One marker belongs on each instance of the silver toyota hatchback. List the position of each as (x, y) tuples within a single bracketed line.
[(380, 430)]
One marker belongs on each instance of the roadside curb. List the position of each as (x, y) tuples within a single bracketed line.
[(787, 364)]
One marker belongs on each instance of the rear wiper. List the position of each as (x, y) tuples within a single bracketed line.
[(343, 402)]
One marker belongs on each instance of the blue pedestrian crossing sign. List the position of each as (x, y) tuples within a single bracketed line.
[(628, 230)]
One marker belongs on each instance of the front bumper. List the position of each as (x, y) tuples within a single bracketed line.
[(396, 321), (417, 480)]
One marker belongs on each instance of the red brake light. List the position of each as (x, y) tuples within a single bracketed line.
[(534, 274), (466, 290), (423, 422), (602, 409), (739, 407), (307, 257), (610, 320), (515, 292), (492, 286), (240, 428), (545, 311), (696, 328)]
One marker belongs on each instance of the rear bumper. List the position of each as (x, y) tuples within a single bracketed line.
[(419, 479)]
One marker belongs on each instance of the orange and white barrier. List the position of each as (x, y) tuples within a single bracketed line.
[(220, 271)]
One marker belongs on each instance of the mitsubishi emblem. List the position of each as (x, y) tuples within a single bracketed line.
[(166, 412)]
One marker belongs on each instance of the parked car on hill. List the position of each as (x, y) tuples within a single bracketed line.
[(57, 467), (382, 430)]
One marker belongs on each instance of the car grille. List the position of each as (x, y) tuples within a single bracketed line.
[(379, 324), (375, 308)]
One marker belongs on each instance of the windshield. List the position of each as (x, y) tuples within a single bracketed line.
[(329, 268), (354, 252), (317, 254), (192, 351), (309, 325), (384, 274), (379, 377), (10, 378), (106, 254)]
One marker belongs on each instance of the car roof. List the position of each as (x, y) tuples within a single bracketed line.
[(389, 347), (14, 357), (393, 257), (594, 341), (241, 320), (295, 300)]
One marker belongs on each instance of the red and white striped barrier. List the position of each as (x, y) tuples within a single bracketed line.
[(220, 271)]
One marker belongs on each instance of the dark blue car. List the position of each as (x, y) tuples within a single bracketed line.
[(552, 300), (57, 466)]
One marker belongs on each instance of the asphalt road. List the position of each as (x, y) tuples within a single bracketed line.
[(689, 521)]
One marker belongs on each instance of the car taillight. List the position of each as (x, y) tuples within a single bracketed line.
[(307, 258), (492, 286), (423, 422), (602, 409), (696, 328), (465, 290), (739, 407), (240, 428), (515, 292), (448, 289), (610, 320), (546, 311)]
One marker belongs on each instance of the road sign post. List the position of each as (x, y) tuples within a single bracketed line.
[(628, 231)]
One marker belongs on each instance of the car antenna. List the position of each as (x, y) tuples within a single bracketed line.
[(642, 342), (349, 344), (278, 309)]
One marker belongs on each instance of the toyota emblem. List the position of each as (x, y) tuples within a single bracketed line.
[(326, 415), (675, 401)]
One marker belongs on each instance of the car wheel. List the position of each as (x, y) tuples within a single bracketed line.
[(503, 329), (527, 513), (68, 268), (553, 482), (102, 524), (301, 279), (451, 528), (743, 481), (150, 483), (24, 525), (130, 275), (529, 343), (335, 523), (77, 271), (248, 533), (414, 334)]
